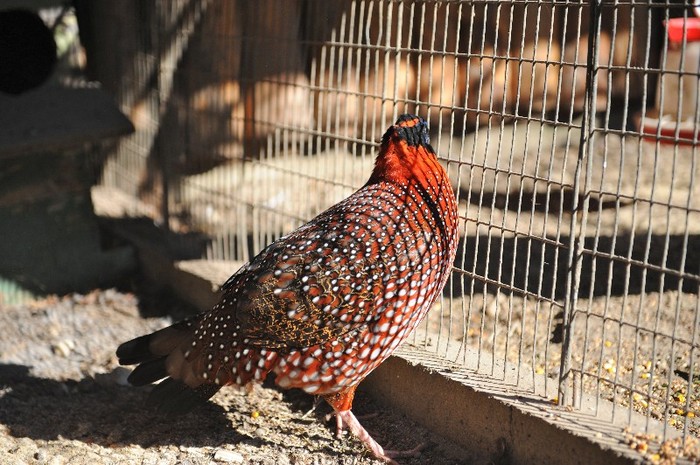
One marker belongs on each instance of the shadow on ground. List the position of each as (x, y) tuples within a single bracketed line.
[(623, 265), (104, 414)]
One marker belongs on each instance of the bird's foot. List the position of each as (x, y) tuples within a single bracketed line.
[(415, 452), (346, 418)]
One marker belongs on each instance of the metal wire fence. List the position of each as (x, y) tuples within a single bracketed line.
[(569, 130)]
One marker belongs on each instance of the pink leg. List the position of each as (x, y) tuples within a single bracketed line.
[(341, 403), (345, 417), (339, 427)]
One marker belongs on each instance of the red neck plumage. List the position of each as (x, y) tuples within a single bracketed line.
[(401, 163)]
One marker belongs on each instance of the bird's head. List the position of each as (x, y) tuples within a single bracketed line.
[(404, 151)]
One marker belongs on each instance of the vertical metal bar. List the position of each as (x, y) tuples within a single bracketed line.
[(251, 144), (577, 228), (452, 311), (162, 158), (541, 144)]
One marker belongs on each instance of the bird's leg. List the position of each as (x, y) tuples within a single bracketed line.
[(317, 401), (342, 403), (339, 425), (347, 418)]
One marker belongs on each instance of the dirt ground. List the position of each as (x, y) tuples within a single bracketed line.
[(650, 351), (65, 400)]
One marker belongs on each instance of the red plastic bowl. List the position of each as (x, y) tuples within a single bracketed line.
[(677, 27)]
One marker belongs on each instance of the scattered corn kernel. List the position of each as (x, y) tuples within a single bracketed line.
[(255, 414), (644, 375), (655, 457), (642, 447), (679, 411), (647, 365), (555, 400), (638, 398), (609, 366), (679, 397), (539, 370), (690, 414), (608, 344)]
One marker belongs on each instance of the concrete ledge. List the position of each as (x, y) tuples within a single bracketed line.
[(497, 422), (166, 259), (200, 280)]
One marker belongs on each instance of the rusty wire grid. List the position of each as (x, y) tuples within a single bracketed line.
[(569, 130)]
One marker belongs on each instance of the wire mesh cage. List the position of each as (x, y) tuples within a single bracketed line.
[(569, 130)]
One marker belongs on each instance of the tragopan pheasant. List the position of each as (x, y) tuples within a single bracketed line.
[(324, 305)]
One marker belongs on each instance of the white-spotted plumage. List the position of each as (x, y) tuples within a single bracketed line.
[(324, 305)]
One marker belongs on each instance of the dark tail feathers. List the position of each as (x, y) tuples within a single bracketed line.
[(172, 396), (150, 353)]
